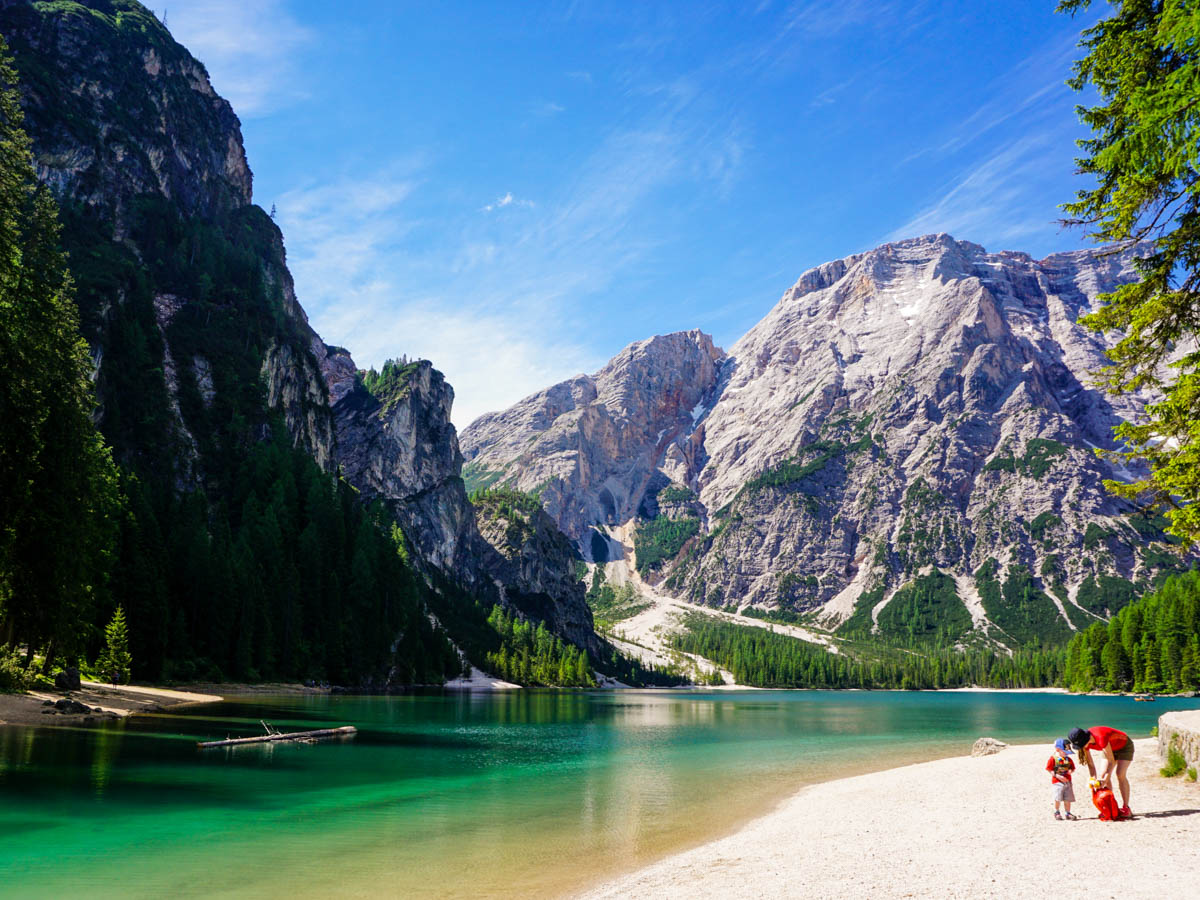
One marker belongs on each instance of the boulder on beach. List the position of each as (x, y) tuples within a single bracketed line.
[(67, 680), (986, 746)]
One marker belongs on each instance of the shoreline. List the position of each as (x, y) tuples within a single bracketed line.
[(93, 703), (959, 826), (107, 701)]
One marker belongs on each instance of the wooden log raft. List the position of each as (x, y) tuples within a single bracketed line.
[(291, 736)]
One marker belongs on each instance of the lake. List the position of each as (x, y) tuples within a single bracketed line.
[(471, 794)]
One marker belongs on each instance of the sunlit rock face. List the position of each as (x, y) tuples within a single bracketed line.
[(595, 446)]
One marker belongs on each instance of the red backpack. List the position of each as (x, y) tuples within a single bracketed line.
[(1107, 804)]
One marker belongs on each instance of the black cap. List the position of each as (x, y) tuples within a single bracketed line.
[(1079, 738)]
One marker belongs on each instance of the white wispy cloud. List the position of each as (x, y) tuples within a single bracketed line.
[(251, 50), (494, 301), (996, 199), (506, 200), (1000, 192), (803, 21)]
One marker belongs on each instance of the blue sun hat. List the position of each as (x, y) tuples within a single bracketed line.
[(1064, 746)]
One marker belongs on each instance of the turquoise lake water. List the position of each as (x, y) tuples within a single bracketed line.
[(524, 793)]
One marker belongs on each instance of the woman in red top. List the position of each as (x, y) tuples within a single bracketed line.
[(1117, 748)]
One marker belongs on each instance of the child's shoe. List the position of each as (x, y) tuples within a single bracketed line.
[(1125, 813), (1070, 817), (1058, 815)]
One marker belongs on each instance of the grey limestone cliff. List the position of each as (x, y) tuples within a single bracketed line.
[(594, 447), (404, 450), (140, 151)]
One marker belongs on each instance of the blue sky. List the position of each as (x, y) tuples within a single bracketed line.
[(517, 191)]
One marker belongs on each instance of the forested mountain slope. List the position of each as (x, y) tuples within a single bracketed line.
[(241, 554)]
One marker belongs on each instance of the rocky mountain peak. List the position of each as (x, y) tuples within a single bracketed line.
[(590, 446), (926, 405)]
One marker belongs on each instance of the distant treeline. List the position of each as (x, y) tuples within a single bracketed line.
[(1150, 646), (763, 658)]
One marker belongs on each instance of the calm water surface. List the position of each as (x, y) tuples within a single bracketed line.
[(508, 794)]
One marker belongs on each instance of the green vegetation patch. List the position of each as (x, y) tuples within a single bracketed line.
[(807, 461), (1040, 454), (660, 539), (478, 477), (804, 463), (1038, 459), (1095, 534), (860, 621), (1020, 608), (781, 616), (1105, 595), (927, 609), (674, 493), (14, 677), (391, 384), (505, 503), (921, 496), (1077, 616), (1042, 524), (611, 604)]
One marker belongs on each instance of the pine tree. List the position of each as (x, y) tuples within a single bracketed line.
[(1144, 159), (115, 662), (58, 484)]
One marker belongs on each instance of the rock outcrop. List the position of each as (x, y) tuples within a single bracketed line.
[(163, 129), (405, 451), (1181, 730), (923, 410), (401, 448), (533, 565), (987, 746)]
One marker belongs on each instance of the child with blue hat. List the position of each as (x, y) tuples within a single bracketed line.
[(1061, 765)]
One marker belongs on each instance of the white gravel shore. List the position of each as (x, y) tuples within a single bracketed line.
[(953, 828)]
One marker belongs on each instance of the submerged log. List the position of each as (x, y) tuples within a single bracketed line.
[(290, 736)]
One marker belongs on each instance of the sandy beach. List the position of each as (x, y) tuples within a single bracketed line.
[(960, 827)]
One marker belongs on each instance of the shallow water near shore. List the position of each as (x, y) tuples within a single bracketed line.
[(443, 795)]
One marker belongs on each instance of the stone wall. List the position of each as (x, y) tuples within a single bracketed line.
[(1186, 725)]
